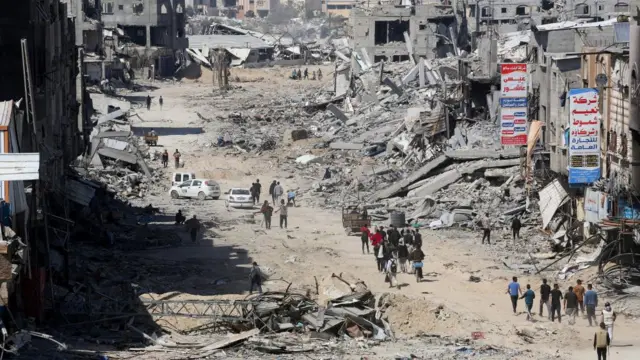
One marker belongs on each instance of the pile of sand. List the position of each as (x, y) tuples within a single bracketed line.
[(413, 316)]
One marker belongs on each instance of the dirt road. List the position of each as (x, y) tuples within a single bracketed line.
[(314, 246)]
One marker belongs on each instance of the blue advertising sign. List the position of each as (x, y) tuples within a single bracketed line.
[(584, 136), (513, 102)]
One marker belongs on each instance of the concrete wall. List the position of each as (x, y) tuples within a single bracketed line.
[(422, 28), (142, 12)]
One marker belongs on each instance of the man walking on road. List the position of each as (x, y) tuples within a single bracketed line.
[(515, 228), (545, 292), (601, 342), (267, 211), (528, 297), (256, 278), (176, 157), (256, 187), (417, 238), (579, 291), (608, 318), (277, 192), (193, 225), (148, 102), (271, 187), (571, 305), (486, 230), (591, 302), (513, 289), (160, 101), (165, 158), (556, 303), (283, 213), (364, 237)]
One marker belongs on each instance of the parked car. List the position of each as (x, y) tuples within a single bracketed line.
[(196, 188), (239, 198), (180, 177)]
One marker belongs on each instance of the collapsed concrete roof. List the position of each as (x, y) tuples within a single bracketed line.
[(226, 41)]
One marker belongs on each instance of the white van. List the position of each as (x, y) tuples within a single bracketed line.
[(180, 177)]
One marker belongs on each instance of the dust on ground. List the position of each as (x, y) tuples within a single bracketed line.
[(314, 246)]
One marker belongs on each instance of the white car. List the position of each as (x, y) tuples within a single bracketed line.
[(196, 188), (239, 198)]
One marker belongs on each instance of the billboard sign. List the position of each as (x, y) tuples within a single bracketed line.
[(513, 121), (584, 136), (595, 206), (513, 80)]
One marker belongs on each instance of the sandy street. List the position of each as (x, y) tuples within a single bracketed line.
[(314, 246)]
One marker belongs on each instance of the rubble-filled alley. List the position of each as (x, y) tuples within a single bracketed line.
[(181, 185)]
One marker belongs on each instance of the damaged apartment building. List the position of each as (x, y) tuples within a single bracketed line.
[(397, 32), (147, 33)]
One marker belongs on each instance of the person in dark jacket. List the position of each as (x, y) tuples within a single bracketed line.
[(417, 238), (256, 278), (417, 256), (148, 102), (403, 254), (271, 188), (408, 237), (516, 225), (545, 293), (393, 235), (180, 218)]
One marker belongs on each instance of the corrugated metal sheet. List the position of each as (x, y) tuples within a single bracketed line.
[(621, 32), (6, 112), (17, 197), (79, 193), (115, 144), (577, 24), (226, 41), (24, 166), (551, 198)]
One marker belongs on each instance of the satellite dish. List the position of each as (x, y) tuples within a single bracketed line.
[(601, 80)]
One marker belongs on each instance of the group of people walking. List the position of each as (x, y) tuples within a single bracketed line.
[(394, 251), (267, 210), (176, 158), (575, 300), (299, 74)]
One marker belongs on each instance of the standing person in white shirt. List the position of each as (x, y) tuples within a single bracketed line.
[(608, 318), (282, 208), (391, 270)]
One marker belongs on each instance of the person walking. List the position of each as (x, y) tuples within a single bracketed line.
[(556, 303), (277, 192), (591, 302), (376, 243), (283, 213), (528, 297), (417, 238), (291, 198), (319, 74), (513, 289), (160, 101), (256, 187), (165, 158), (545, 292), (516, 225), (255, 276), (608, 318), (391, 269), (486, 229), (148, 102), (267, 212), (306, 73), (176, 158), (364, 237), (380, 254), (271, 187), (403, 254), (193, 225), (579, 291), (601, 342), (571, 305), (417, 257)]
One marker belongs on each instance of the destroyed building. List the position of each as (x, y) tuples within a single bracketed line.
[(503, 16), (394, 33), (150, 32)]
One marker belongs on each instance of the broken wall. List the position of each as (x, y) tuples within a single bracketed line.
[(380, 30)]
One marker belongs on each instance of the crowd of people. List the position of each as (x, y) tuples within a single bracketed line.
[(576, 300), (394, 251)]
